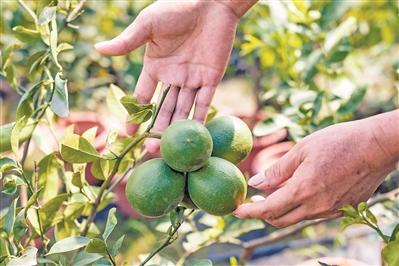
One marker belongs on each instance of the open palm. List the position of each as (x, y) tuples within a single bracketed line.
[(188, 46)]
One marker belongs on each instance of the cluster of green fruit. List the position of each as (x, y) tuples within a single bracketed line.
[(197, 169)]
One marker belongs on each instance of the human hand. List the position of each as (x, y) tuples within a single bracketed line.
[(188, 46), (341, 164)]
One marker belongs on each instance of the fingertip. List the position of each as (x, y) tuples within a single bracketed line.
[(257, 180), (152, 145)]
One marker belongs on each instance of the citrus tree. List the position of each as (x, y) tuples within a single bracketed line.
[(304, 57)]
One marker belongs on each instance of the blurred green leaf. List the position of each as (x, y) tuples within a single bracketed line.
[(101, 168), (140, 116), (9, 218), (76, 149), (83, 258), (350, 211), (271, 125), (59, 102), (64, 47), (111, 223), (114, 96), (27, 258), (49, 176), (26, 35), (371, 216), (47, 14), (390, 253), (15, 134), (25, 106), (69, 244), (334, 37), (114, 249), (10, 184), (49, 213), (96, 245), (395, 233), (353, 102), (20, 227)]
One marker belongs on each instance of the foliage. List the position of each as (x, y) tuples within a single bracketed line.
[(363, 215), (307, 58)]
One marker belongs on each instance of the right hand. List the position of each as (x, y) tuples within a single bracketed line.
[(188, 46)]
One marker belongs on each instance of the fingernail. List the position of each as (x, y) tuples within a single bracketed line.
[(256, 180), (237, 215)]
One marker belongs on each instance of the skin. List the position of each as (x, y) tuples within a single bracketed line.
[(341, 164), (188, 44)]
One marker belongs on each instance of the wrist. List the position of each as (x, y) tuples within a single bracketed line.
[(238, 7), (385, 132)]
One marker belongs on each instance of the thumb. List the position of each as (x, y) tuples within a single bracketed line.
[(135, 35), (278, 172)]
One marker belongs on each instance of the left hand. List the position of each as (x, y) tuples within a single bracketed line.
[(341, 164)]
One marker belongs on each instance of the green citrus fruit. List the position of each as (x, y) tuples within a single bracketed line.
[(232, 139), (186, 145), (154, 189), (5, 134), (218, 187)]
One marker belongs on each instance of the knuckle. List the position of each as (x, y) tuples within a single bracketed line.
[(273, 171)]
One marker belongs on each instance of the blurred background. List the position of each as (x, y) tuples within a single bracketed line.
[(296, 67)]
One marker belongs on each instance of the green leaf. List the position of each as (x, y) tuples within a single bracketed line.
[(90, 134), (96, 245), (49, 212), (53, 42), (335, 36), (9, 218), (347, 221), (49, 176), (77, 180), (390, 253), (353, 102), (59, 102), (83, 258), (35, 62), (114, 250), (102, 168), (200, 262), (111, 223), (361, 207), (212, 112), (15, 134), (350, 211), (395, 233), (65, 229), (114, 96), (20, 227), (47, 14), (25, 106), (64, 47), (26, 35), (140, 116), (76, 149), (10, 184), (28, 258), (132, 106), (271, 125), (69, 244), (73, 210)]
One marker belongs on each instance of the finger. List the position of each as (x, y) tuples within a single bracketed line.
[(277, 204), (278, 172), (296, 215), (163, 119), (185, 102), (204, 98), (135, 35), (257, 198), (145, 87)]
